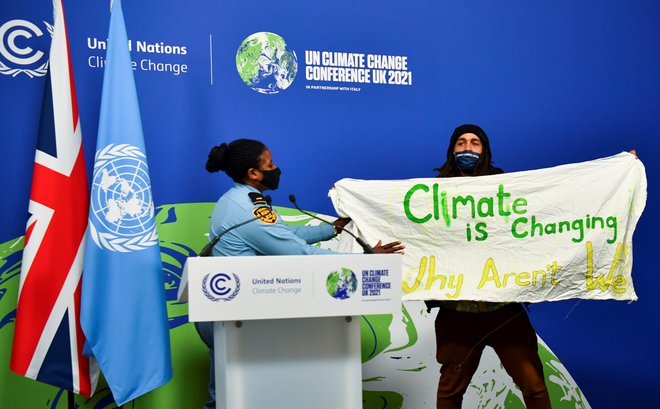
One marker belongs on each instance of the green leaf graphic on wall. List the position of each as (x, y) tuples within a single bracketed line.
[(399, 369)]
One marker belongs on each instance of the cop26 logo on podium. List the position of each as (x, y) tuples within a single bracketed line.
[(341, 284), (122, 208)]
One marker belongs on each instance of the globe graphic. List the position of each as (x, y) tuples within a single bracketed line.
[(264, 63), (341, 284)]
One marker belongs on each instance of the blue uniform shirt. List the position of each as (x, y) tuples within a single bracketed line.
[(267, 234)]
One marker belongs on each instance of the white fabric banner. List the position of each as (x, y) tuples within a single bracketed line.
[(541, 235)]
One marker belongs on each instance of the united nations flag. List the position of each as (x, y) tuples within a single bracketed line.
[(123, 313), (122, 211)]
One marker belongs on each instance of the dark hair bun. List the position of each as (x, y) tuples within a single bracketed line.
[(216, 160)]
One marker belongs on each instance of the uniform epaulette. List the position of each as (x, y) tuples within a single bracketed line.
[(262, 211), (257, 198)]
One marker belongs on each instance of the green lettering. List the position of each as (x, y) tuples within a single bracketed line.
[(515, 223), (550, 228), (519, 202), (480, 228), (436, 211), (445, 209), (578, 224), (488, 201), (464, 201), (598, 220), (564, 225), (611, 223), (501, 194), (406, 204), (537, 226)]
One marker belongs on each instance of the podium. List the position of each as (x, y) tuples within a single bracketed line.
[(287, 328)]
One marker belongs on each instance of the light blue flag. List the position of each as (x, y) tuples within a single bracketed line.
[(123, 311)]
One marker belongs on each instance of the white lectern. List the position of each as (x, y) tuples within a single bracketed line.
[(287, 328)]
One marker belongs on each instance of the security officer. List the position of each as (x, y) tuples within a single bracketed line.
[(248, 226), (250, 165)]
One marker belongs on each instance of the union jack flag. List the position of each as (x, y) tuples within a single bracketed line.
[(48, 340)]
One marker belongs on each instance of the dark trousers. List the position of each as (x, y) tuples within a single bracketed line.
[(461, 338), (205, 331)]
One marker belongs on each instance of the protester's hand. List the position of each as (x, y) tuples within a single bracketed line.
[(341, 223), (393, 247), (634, 152)]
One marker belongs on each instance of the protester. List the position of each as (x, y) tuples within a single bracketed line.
[(464, 328)]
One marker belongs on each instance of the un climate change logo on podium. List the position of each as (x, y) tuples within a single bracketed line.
[(221, 286), (341, 284), (264, 63), (122, 210)]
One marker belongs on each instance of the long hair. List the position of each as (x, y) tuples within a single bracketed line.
[(484, 165)]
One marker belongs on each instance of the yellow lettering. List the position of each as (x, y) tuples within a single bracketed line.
[(619, 284), (433, 277), (537, 273), (553, 268), (523, 279), (485, 276), (457, 286), (506, 278), (420, 274), (450, 282), (600, 281)]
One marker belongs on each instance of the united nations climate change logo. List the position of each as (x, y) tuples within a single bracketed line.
[(341, 284), (221, 286), (20, 41), (122, 210), (264, 63)]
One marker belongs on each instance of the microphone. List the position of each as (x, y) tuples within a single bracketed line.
[(208, 249), (365, 247)]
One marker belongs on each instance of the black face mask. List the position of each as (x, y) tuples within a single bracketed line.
[(271, 178), (466, 161)]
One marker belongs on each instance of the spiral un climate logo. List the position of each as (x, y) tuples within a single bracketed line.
[(21, 42), (221, 286)]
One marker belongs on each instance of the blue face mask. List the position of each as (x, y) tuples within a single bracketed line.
[(466, 161)]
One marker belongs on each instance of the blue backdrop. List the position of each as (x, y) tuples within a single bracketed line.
[(551, 82)]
